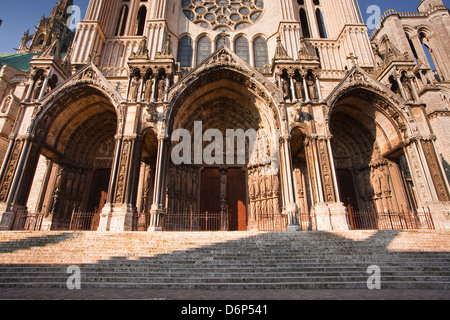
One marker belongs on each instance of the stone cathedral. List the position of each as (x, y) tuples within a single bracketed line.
[(350, 122)]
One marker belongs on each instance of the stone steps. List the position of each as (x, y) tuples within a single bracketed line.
[(422, 285), (221, 260)]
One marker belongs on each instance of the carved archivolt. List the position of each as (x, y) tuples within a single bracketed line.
[(393, 106), (225, 64), (10, 170), (90, 75), (58, 100)]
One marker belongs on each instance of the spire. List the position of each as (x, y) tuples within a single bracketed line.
[(52, 52), (49, 29), (66, 63), (280, 51), (304, 52), (142, 51), (60, 10), (166, 51)]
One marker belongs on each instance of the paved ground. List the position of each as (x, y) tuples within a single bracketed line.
[(143, 294)]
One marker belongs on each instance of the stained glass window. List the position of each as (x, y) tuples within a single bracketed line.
[(223, 15), (203, 49), (185, 52), (260, 51), (242, 49)]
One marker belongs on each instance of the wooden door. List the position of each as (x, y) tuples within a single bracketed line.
[(210, 190), (237, 199), (347, 190), (100, 183), (209, 201)]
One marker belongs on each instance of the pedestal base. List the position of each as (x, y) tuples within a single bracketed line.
[(7, 215), (116, 218), (331, 217), (156, 215), (440, 213)]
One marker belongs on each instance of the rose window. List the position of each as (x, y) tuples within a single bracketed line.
[(223, 15)]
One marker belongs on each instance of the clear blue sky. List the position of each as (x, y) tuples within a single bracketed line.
[(20, 15)]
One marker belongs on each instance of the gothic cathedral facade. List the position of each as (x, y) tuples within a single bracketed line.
[(344, 122)]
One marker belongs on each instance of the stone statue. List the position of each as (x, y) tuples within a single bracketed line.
[(286, 88), (407, 89), (251, 184), (312, 89), (376, 182), (148, 89), (6, 104), (38, 87), (223, 186), (161, 89), (262, 184), (134, 89), (257, 182), (299, 89)]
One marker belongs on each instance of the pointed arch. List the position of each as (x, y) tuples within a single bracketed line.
[(267, 95), (219, 42), (141, 19), (368, 138), (321, 24), (185, 51), (204, 48), (304, 23), (122, 21), (260, 51), (241, 48)]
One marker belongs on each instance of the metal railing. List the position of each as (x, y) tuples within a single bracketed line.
[(84, 221), (272, 222), (370, 220), (308, 221), (25, 221), (196, 221)]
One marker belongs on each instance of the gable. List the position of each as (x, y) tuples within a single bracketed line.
[(357, 77), (225, 58), (89, 75)]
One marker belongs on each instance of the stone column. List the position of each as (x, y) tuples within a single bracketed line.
[(44, 87), (30, 90), (330, 212), (117, 215), (157, 209), (51, 196), (17, 179), (291, 79), (401, 88), (439, 208), (319, 91), (288, 190), (429, 180), (305, 86), (413, 88)]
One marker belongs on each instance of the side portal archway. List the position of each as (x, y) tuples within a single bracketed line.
[(371, 166), (76, 133)]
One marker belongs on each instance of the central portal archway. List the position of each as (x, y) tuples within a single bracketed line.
[(216, 111)]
